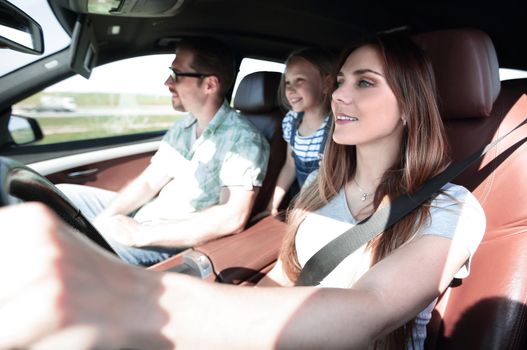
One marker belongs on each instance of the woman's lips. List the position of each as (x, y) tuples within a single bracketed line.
[(342, 119)]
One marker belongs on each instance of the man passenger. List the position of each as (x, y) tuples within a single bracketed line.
[(201, 183)]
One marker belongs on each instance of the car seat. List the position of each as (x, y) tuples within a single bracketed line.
[(488, 309), (257, 100)]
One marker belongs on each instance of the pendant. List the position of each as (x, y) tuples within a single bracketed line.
[(363, 197)]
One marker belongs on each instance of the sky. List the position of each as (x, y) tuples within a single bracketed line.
[(142, 75), (138, 75)]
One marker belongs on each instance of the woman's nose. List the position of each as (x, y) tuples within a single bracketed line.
[(339, 95)]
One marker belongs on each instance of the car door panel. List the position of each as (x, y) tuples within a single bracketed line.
[(111, 174), (256, 250)]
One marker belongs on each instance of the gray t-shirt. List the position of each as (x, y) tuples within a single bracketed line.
[(455, 215)]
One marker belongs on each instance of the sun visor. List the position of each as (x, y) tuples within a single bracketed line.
[(84, 48), (127, 8)]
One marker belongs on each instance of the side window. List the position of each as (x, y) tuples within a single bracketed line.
[(251, 65), (120, 98)]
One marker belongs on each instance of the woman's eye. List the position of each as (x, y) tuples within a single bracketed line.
[(364, 83), (339, 83)]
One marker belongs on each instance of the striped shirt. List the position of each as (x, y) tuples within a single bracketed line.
[(306, 148)]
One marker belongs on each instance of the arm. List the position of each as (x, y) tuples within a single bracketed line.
[(286, 177), (241, 171), (138, 192), (310, 318), (276, 277), (229, 216), (137, 308)]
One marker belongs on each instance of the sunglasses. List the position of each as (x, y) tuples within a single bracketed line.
[(174, 74)]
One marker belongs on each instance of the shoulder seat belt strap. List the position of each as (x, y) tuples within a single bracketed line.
[(329, 256)]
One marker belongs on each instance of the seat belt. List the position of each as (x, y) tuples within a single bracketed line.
[(329, 256)]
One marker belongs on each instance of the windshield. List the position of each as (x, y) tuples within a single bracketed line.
[(55, 38)]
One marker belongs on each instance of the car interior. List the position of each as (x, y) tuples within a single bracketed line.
[(488, 307), (487, 310), (257, 100)]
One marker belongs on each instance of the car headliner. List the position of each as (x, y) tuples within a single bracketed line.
[(271, 28)]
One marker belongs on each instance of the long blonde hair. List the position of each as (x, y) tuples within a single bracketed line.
[(423, 154)]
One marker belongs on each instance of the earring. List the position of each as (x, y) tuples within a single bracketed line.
[(404, 121)]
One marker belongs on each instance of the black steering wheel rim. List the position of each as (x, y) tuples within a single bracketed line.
[(19, 183)]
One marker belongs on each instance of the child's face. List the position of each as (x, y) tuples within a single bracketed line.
[(365, 108), (303, 86)]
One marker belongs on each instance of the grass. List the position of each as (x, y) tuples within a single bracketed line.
[(57, 128), (83, 99), (60, 129)]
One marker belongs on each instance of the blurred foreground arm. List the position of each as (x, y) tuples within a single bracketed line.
[(71, 292)]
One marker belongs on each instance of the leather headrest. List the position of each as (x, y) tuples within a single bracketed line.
[(466, 70), (258, 92)]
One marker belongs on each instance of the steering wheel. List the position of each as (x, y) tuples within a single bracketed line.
[(18, 183)]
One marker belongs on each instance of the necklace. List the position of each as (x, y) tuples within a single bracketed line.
[(364, 194)]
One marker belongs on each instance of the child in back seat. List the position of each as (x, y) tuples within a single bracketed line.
[(305, 89)]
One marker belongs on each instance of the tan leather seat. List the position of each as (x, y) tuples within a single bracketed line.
[(257, 100), (488, 309)]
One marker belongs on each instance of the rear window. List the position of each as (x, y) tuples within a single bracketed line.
[(251, 65)]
